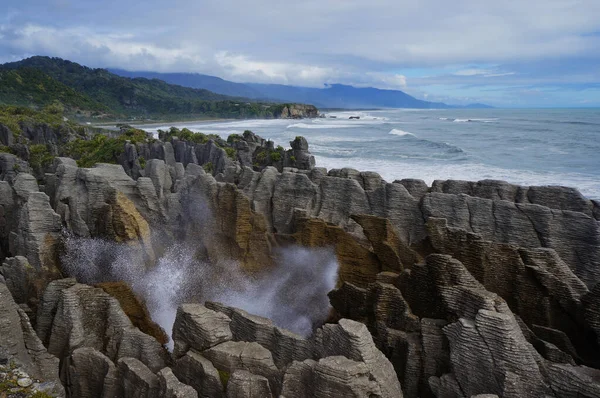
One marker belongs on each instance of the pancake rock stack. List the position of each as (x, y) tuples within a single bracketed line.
[(459, 289)]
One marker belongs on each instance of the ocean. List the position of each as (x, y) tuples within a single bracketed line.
[(521, 146)]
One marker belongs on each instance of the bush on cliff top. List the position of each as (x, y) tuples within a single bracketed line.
[(186, 135), (103, 149), (13, 116)]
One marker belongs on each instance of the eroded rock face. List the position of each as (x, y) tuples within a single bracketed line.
[(460, 289), (19, 342), (89, 317)]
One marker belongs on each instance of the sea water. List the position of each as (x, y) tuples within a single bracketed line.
[(527, 147)]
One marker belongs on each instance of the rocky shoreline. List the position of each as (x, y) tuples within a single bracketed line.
[(457, 289)]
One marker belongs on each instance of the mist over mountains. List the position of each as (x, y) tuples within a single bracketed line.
[(332, 96)]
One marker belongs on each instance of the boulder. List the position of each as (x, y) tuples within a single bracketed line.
[(353, 340), (199, 328), (91, 375), (137, 381), (243, 384), (198, 372), (171, 387), (238, 355)]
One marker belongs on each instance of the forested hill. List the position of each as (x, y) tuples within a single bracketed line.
[(39, 81)]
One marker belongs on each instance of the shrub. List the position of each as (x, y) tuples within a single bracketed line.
[(233, 138), (231, 153), (142, 161), (55, 108), (293, 159), (262, 156), (208, 167), (39, 156), (275, 156), (280, 148)]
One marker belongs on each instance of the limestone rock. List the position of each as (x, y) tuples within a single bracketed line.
[(353, 340), (135, 309), (338, 376), (231, 356), (89, 317), (198, 372), (243, 384), (137, 381), (283, 344), (19, 340), (37, 232), (91, 375), (574, 381), (171, 387), (199, 328)]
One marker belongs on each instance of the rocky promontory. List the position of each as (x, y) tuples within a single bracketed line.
[(149, 274)]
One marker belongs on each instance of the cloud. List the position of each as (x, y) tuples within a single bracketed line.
[(316, 42)]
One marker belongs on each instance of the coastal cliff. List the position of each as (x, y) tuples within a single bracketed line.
[(457, 289)]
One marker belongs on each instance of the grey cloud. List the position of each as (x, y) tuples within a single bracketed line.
[(314, 42)]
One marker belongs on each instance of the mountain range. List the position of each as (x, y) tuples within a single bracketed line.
[(331, 96), (40, 81)]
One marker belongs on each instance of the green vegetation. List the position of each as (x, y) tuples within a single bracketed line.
[(5, 149), (40, 156), (15, 116), (86, 92), (293, 159), (275, 156), (262, 156), (188, 135), (231, 153), (224, 376), (103, 149), (142, 161), (208, 167), (233, 138), (30, 86), (280, 148)]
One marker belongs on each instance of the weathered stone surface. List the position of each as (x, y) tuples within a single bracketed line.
[(89, 317), (198, 372), (6, 136), (237, 355), (535, 283), (199, 328), (353, 340), (19, 341), (136, 380), (91, 375), (338, 376), (283, 344), (158, 172), (591, 310), (574, 381), (574, 236), (37, 232), (243, 384), (135, 309), (48, 305), (171, 387), (298, 379)]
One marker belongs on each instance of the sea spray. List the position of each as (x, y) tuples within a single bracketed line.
[(293, 293)]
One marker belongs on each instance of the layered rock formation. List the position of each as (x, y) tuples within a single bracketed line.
[(456, 290)]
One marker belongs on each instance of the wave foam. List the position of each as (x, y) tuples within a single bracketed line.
[(400, 133), (492, 120), (324, 126)]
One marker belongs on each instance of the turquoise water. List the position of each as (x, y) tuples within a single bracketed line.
[(529, 147)]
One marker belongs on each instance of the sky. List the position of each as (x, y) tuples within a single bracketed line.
[(506, 53)]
